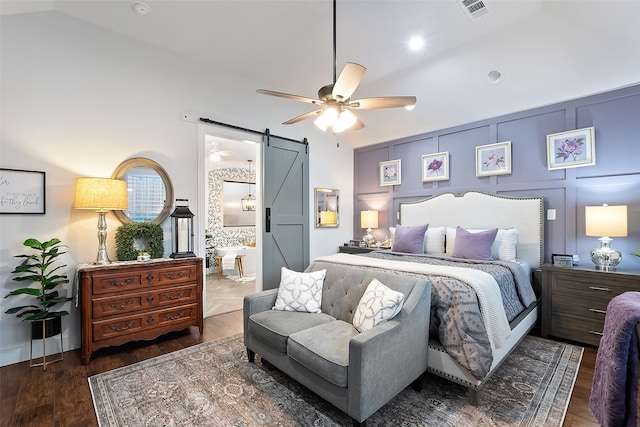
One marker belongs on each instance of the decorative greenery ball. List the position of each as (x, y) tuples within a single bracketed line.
[(136, 237)]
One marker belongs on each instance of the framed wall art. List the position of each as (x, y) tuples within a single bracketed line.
[(493, 159), (22, 192), (571, 149), (435, 167), (390, 172)]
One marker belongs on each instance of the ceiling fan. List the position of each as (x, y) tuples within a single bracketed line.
[(216, 154), (335, 99)]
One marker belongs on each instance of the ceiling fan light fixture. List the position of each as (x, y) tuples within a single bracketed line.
[(345, 121), (327, 118)]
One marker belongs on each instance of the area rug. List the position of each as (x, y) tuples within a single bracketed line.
[(213, 384)]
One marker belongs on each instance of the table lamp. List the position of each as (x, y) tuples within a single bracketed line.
[(606, 221), (369, 220), (101, 195)]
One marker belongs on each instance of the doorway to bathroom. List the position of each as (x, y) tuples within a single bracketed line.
[(231, 198)]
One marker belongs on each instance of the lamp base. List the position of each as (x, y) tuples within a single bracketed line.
[(368, 238), (605, 258)]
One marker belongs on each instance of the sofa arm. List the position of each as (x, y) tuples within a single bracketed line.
[(256, 303), (386, 359)]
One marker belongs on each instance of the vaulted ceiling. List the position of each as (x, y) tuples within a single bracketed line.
[(546, 51)]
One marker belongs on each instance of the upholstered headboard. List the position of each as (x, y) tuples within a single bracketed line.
[(475, 209)]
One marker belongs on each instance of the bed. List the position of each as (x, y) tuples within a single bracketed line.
[(475, 211)]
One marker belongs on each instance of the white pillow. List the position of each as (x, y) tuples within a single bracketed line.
[(377, 305), (300, 291), (503, 248), (434, 242)]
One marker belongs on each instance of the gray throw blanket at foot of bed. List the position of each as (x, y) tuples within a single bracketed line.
[(615, 378)]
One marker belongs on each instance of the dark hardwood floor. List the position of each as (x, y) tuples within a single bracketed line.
[(60, 395)]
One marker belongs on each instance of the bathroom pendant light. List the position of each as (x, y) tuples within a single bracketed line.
[(248, 202)]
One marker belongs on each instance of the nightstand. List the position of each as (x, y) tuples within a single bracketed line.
[(353, 250), (574, 300)]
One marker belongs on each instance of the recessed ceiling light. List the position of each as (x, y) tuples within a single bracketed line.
[(494, 76), (141, 8), (416, 43)]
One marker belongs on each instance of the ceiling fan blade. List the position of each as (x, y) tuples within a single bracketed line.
[(289, 96), (348, 81), (386, 102), (302, 117)]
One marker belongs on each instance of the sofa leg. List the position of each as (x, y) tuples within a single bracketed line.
[(251, 355), (267, 365), (358, 423), (418, 383)]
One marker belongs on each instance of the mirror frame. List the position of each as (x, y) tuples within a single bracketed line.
[(134, 162), (319, 191)]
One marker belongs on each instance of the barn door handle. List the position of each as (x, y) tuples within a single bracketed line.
[(268, 219)]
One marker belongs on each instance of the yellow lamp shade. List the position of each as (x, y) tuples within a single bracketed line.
[(369, 219), (101, 194)]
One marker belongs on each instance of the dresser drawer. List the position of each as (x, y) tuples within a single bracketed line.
[(125, 282), (126, 325), (178, 274), (120, 304), (585, 287)]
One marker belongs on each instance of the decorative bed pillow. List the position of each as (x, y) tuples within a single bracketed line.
[(409, 239), (300, 291), (474, 245), (503, 248), (434, 243), (377, 305)]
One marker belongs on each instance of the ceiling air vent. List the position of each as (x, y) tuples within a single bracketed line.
[(474, 9)]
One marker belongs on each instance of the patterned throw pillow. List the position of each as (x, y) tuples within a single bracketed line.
[(300, 291), (377, 305)]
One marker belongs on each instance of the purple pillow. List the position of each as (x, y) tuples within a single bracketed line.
[(409, 239), (474, 245)]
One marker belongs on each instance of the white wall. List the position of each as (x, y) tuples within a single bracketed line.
[(77, 100)]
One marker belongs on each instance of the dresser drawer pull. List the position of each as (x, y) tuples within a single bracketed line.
[(172, 297), (597, 310), (149, 277), (116, 328), (150, 298), (116, 305), (170, 316), (598, 288), (123, 283), (174, 276), (596, 333), (150, 320)]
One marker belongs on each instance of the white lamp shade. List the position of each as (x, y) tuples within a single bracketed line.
[(610, 221), (100, 194), (369, 219)]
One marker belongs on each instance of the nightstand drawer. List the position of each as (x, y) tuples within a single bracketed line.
[(582, 330), (583, 287), (587, 308)]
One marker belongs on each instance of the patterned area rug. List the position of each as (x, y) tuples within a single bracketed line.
[(213, 384)]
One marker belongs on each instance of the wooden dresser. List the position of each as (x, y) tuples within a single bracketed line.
[(574, 300), (130, 301)]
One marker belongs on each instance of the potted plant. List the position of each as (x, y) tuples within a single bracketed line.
[(39, 267)]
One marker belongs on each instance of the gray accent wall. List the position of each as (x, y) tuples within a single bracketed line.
[(614, 179)]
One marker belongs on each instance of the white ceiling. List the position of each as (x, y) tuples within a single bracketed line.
[(547, 51)]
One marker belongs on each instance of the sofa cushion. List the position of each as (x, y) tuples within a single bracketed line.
[(300, 291), (274, 327), (377, 305), (324, 350)]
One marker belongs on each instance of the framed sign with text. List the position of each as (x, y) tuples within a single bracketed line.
[(22, 192)]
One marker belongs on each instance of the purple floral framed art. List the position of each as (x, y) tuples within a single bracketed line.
[(493, 159), (435, 167), (571, 149)]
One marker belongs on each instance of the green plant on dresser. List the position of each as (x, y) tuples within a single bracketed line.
[(133, 238), (39, 267)]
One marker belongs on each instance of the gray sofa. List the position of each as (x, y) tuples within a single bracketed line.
[(356, 372)]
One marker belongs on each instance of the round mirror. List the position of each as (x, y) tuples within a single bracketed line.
[(150, 191)]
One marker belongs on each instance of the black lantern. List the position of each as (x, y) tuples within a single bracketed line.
[(182, 230)]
